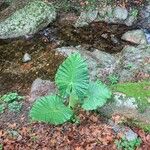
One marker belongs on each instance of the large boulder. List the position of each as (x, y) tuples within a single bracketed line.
[(26, 19), (100, 64), (133, 62)]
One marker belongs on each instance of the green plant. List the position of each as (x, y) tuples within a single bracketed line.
[(10, 100), (72, 80), (1, 146), (14, 106), (113, 79), (134, 12), (10, 97), (129, 66), (124, 144), (2, 108)]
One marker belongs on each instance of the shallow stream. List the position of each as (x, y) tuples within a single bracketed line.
[(16, 75)]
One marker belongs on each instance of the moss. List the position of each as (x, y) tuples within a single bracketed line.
[(140, 91)]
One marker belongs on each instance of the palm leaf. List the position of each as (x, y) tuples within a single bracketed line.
[(50, 109), (97, 96), (72, 75)]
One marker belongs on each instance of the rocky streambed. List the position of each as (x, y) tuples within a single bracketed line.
[(113, 39)]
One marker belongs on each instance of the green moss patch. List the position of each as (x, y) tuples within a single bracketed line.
[(139, 90)]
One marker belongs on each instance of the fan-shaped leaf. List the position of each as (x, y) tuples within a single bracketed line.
[(72, 75), (50, 109), (97, 96)]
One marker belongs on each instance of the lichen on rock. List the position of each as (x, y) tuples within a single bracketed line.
[(34, 16)]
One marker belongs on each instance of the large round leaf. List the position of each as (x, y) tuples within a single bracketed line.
[(97, 96), (50, 109), (72, 75)]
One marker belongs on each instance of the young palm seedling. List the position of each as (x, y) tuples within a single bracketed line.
[(72, 80)]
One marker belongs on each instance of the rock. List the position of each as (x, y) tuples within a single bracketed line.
[(130, 20), (100, 63), (109, 14), (144, 17), (135, 36), (32, 17), (134, 60), (67, 18), (15, 135), (132, 17), (123, 101), (41, 88), (147, 35), (114, 39), (127, 104), (105, 13), (129, 134), (120, 13), (26, 58), (86, 17)]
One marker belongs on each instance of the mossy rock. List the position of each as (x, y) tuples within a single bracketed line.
[(140, 91), (27, 20), (131, 100)]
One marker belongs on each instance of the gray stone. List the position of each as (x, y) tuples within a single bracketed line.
[(147, 35), (144, 17), (130, 20), (128, 110), (26, 58), (41, 88), (86, 17), (114, 39), (129, 134), (15, 135), (132, 61), (105, 14), (34, 16), (122, 100), (135, 36), (120, 13), (100, 63)]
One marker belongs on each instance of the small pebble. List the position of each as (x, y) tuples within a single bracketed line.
[(26, 58)]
